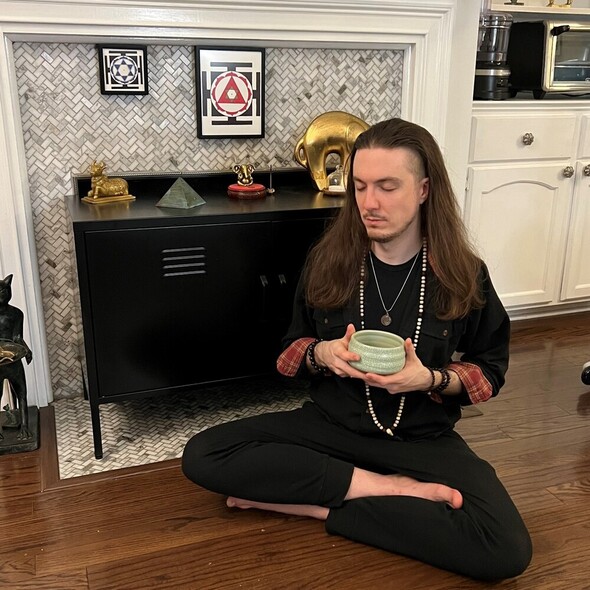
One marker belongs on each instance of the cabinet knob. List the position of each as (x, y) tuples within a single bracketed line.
[(528, 138), (568, 171), (586, 170)]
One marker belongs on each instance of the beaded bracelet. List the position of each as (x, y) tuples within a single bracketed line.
[(311, 356), (429, 389), (446, 379)]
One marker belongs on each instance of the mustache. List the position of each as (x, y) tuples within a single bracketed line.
[(373, 216)]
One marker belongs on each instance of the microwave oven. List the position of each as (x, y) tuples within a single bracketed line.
[(549, 57)]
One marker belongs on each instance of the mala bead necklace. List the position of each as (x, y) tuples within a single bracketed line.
[(402, 399)]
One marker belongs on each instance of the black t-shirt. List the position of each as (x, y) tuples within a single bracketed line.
[(482, 338)]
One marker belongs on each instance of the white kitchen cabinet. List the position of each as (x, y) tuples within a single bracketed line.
[(527, 202), (576, 283)]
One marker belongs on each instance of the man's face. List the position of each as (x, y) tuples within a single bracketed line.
[(389, 191)]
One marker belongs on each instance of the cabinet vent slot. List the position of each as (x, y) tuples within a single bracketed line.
[(183, 261)]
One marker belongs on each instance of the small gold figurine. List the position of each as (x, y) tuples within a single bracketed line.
[(104, 189), (244, 172), (245, 188)]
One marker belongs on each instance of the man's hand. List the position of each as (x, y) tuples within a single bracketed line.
[(334, 354), (413, 377)]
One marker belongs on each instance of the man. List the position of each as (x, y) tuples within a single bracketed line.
[(376, 456)]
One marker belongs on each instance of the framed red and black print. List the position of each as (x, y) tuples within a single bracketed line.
[(230, 92)]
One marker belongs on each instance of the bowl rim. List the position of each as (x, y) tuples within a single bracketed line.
[(400, 341)]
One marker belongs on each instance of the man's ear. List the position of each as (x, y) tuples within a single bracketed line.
[(424, 189)]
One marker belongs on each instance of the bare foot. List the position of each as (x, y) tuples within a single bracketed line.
[(367, 483), (238, 503), (319, 512), (437, 492)]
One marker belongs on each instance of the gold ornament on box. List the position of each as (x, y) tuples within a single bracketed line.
[(336, 181), (245, 187), (333, 132), (104, 189)]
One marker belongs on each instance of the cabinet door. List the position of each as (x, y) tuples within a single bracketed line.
[(292, 240), (517, 219), (176, 306), (576, 282)]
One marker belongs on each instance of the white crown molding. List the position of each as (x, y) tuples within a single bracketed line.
[(438, 37)]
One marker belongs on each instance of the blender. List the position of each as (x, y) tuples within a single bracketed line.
[(492, 73)]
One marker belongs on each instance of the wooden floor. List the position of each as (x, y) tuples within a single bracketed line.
[(150, 528)]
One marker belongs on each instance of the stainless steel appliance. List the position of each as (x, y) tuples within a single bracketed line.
[(550, 57), (492, 73)]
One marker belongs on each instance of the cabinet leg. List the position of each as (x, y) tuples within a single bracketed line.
[(96, 431), (84, 386)]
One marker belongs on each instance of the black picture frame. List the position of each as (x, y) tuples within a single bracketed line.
[(123, 69), (230, 92)]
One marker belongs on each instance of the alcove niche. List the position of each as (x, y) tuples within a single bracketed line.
[(419, 60)]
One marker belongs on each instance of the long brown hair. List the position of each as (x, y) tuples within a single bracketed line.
[(333, 266)]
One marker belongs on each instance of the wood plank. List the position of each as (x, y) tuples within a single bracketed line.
[(71, 580), (19, 475), (291, 554), (48, 448)]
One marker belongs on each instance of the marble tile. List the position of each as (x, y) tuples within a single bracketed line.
[(149, 430)]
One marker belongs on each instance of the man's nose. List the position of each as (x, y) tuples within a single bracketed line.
[(371, 201)]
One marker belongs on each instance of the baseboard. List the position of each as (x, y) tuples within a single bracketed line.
[(50, 464), (48, 448)]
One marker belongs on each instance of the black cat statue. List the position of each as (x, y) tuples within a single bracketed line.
[(16, 432)]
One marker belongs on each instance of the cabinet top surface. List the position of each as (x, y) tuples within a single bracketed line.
[(525, 102), (539, 9), (293, 195)]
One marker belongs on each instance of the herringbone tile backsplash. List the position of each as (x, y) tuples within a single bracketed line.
[(154, 429), (67, 123)]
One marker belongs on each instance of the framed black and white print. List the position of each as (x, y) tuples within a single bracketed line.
[(123, 69), (230, 92)]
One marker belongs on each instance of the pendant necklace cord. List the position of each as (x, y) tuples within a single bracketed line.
[(421, 300), (386, 318)]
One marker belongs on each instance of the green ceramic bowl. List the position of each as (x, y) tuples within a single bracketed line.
[(381, 352)]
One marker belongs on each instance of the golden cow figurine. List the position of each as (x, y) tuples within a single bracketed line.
[(104, 189), (333, 132)]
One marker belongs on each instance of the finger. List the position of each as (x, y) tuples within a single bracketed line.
[(354, 373), (410, 351), (350, 330)]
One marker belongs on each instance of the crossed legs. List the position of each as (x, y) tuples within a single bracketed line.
[(364, 484), (400, 496)]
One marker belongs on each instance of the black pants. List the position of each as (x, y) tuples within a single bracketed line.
[(300, 457)]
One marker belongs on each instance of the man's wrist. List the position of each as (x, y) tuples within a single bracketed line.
[(440, 379), (311, 355)]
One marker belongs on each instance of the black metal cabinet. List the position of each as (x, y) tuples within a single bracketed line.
[(173, 299)]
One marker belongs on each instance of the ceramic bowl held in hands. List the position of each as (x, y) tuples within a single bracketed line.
[(381, 352)]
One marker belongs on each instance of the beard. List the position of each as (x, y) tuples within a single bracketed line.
[(385, 236)]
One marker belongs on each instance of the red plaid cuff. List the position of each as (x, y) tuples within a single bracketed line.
[(478, 388), (290, 360)]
